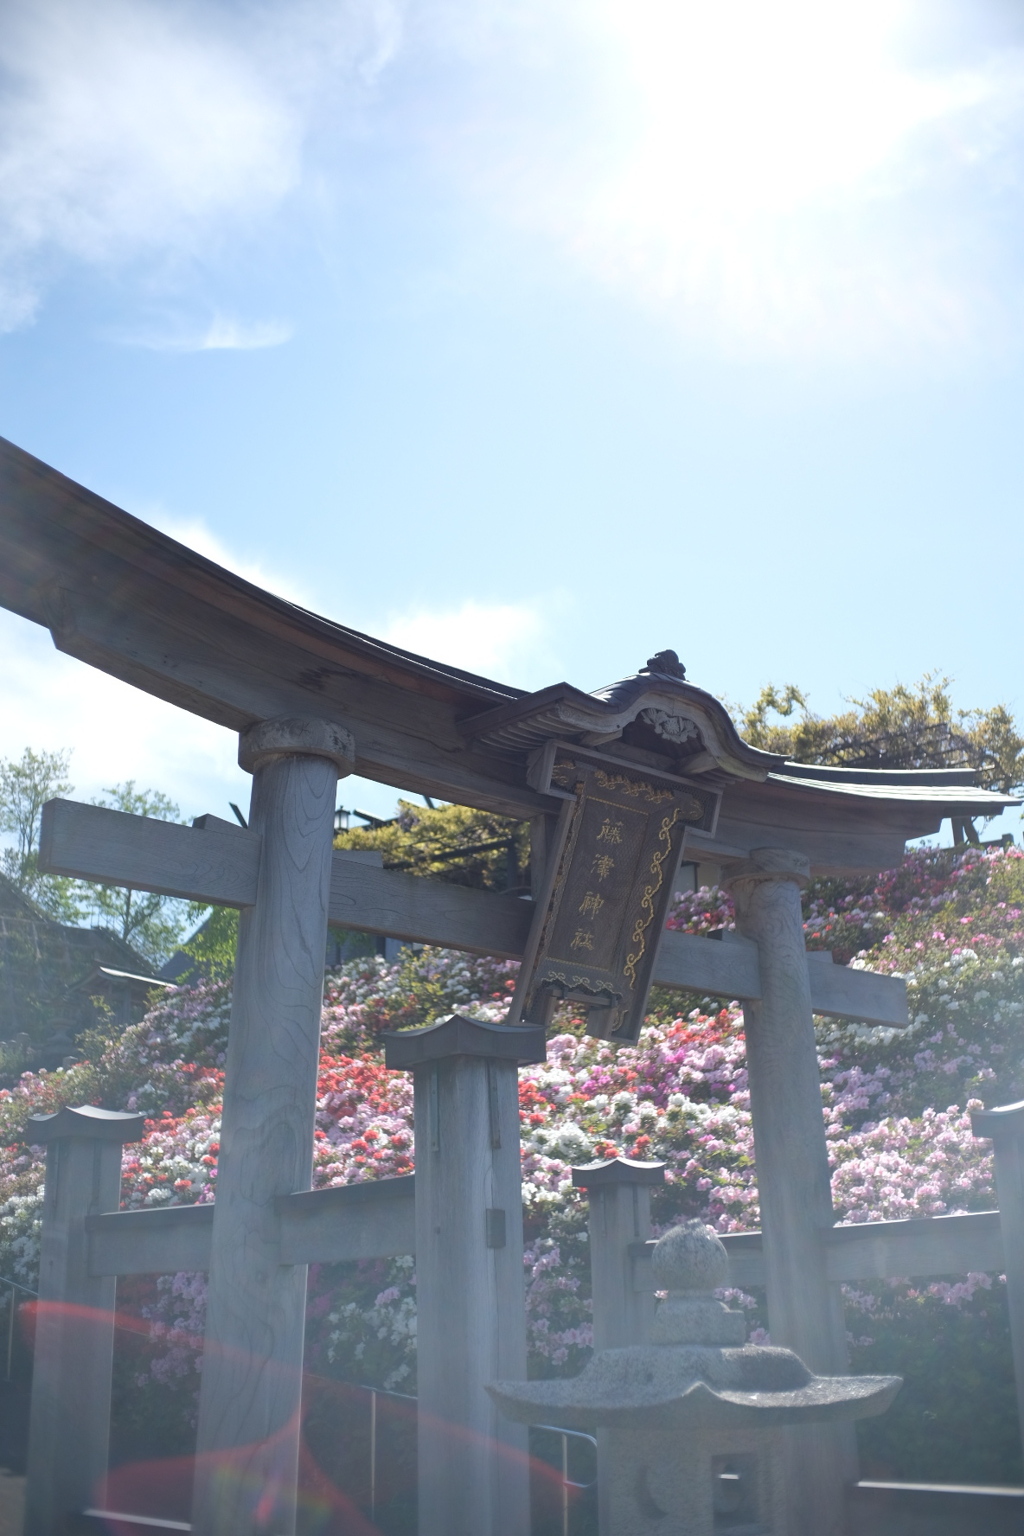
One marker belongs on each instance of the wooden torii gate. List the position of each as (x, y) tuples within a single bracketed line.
[(311, 700)]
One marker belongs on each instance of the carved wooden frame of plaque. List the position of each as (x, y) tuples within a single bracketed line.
[(610, 879)]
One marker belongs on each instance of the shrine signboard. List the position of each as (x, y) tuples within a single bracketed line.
[(594, 939)]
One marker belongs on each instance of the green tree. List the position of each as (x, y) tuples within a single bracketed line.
[(213, 944), (25, 786), (450, 842), (896, 727), (152, 924)]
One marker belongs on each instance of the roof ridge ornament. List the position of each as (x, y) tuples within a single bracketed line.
[(664, 664)]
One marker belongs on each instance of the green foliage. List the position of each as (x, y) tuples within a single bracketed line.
[(1006, 882), (896, 727), (25, 787), (36, 969), (450, 842), (151, 924), (43, 950), (957, 1366), (212, 946)]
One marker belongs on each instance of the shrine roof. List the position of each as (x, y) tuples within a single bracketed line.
[(953, 788), (132, 601)]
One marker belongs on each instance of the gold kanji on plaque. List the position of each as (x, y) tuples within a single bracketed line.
[(595, 933)]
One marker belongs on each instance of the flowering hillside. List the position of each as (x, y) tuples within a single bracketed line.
[(896, 1107)]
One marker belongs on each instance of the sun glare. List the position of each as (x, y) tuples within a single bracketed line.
[(766, 105), (762, 150)]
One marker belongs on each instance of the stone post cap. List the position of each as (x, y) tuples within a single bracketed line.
[(85, 1123), (459, 1036), (297, 736), (617, 1170), (771, 864), (1005, 1122)]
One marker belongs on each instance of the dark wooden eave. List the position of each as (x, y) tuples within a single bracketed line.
[(133, 602)]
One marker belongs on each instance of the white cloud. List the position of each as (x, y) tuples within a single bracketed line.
[(489, 638), (52, 701), (195, 534), (221, 334), (133, 131), (786, 178)]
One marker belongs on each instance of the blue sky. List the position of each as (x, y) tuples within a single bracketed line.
[(537, 335)]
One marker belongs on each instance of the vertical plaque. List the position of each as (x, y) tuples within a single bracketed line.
[(595, 935)]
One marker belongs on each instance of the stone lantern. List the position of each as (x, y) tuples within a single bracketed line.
[(690, 1424)]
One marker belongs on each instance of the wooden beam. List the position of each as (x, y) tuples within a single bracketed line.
[(372, 1220), (873, 1250), (931, 1245), (376, 1219), (695, 963), (840, 993), (214, 862), (426, 911), (217, 862), (158, 1240)]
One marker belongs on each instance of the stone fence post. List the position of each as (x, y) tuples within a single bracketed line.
[(69, 1422), (620, 1215), (470, 1289), (1006, 1128), (619, 1193)]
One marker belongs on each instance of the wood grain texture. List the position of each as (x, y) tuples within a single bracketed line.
[(252, 1370), (74, 1340), (215, 664), (427, 911), (699, 964), (471, 1326), (215, 863), (804, 1307)]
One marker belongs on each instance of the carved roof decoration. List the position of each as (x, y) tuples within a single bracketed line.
[(128, 599), (681, 719)]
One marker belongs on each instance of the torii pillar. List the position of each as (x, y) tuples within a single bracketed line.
[(248, 1445), (793, 1180)]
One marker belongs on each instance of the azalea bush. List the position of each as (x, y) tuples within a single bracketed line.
[(896, 1106)]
